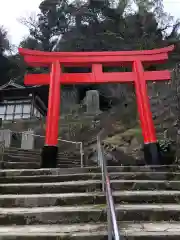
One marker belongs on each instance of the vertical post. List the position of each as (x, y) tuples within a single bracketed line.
[(82, 155), (151, 147), (50, 150), (109, 219)]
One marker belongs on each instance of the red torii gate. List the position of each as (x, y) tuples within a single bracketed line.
[(96, 60)]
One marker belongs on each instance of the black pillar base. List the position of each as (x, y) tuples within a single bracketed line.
[(49, 157), (152, 154)]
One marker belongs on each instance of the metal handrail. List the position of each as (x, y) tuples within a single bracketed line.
[(113, 231)]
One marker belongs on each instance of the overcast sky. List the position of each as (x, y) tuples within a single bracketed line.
[(12, 10)]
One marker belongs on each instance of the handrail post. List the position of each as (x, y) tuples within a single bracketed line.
[(2, 147), (109, 221), (100, 163)]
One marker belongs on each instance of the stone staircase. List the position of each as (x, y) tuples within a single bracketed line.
[(67, 203), (14, 158)]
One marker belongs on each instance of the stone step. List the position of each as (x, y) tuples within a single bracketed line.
[(35, 165), (87, 186), (87, 198), (58, 171), (54, 171), (128, 231), (29, 151), (36, 151), (88, 214), (10, 158), (52, 178), (30, 156), (90, 176), (23, 152), (20, 165), (30, 160), (14, 158), (68, 165)]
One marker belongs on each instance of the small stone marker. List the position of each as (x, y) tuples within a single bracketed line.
[(27, 140), (5, 136)]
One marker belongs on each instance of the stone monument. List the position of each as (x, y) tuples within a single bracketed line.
[(92, 102)]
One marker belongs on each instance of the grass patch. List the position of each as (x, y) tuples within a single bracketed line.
[(134, 132), (131, 133), (116, 139)]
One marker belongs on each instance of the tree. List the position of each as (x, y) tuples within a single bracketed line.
[(45, 28), (4, 42), (30, 43), (4, 62), (99, 25)]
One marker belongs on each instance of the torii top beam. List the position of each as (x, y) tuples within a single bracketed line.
[(39, 58), (97, 60)]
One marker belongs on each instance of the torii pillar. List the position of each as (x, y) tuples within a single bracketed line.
[(97, 60)]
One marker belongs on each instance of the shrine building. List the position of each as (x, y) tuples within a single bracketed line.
[(20, 102)]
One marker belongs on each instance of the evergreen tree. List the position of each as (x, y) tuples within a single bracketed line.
[(100, 25)]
